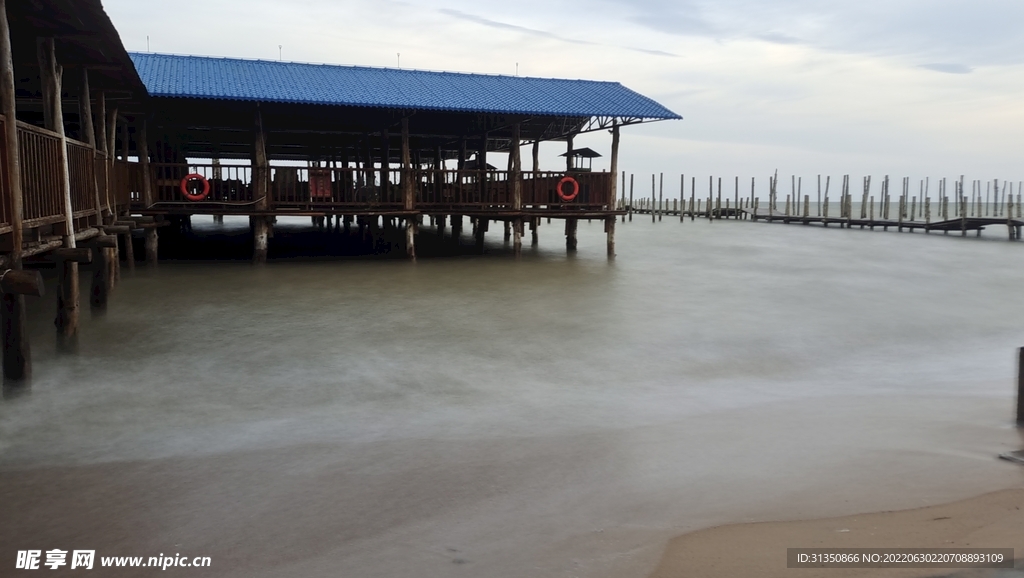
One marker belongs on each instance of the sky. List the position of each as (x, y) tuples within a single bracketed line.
[(918, 88)]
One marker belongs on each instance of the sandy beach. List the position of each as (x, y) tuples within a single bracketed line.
[(993, 520)]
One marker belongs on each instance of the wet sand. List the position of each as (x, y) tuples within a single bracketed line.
[(994, 520)]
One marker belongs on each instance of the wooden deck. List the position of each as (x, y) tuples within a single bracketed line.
[(957, 225)]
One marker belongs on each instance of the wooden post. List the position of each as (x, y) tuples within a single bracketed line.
[(517, 188), (568, 153), (261, 193), (718, 204), (101, 272), (67, 292), (408, 192), (614, 170), (479, 229), (630, 209), (111, 129), (570, 234), (682, 197), (661, 194), (152, 240), (385, 165), (736, 199), (17, 355), (654, 199), (1020, 387), (88, 136)]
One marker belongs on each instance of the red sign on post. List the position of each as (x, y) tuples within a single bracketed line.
[(320, 184)]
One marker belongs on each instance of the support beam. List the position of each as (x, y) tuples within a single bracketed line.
[(101, 274), (152, 237), (19, 282), (568, 153), (612, 194), (51, 75), (408, 192), (103, 168), (609, 228), (570, 234), (261, 192), (111, 155), (517, 190), (17, 355), (385, 163)]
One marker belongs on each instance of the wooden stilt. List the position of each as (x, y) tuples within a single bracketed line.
[(261, 192), (101, 274), (661, 195), (630, 209), (654, 199), (570, 234), (17, 355), (480, 228), (408, 192), (67, 276), (534, 225), (1020, 387), (517, 243), (610, 232)]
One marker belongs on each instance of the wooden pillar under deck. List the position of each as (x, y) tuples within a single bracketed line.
[(67, 275), (609, 226), (479, 229), (100, 288), (408, 193), (147, 191), (568, 153), (17, 355), (115, 260), (260, 176), (570, 234), (517, 190)]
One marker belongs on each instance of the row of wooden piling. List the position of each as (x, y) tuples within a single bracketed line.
[(999, 202)]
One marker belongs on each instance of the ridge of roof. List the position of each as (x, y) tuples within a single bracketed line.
[(256, 80), (132, 53)]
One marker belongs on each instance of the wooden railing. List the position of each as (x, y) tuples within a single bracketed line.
[(301, 188), (41, 176), (42, 179), (82, 167), (5, 183)]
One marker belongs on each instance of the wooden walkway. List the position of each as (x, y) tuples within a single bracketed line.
[(961, 225), (957, 225)]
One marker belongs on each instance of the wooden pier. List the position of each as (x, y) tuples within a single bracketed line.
[(1000, 207), (103, 148)]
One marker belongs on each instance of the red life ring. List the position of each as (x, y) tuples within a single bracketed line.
[(575, 189), (195, 196)]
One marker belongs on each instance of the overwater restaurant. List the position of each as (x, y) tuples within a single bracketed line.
[(103, 148)]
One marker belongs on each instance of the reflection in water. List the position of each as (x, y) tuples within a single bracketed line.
[(535, 417)]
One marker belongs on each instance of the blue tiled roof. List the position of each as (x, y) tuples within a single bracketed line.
[(269, 81)]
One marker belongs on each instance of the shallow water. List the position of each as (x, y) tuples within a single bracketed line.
[(478, 415)]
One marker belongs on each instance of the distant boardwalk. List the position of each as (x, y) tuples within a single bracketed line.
[(960, 213)]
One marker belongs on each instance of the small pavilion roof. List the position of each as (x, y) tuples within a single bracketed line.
[(585, 152)]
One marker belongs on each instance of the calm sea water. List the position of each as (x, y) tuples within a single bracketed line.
[(477, 415)]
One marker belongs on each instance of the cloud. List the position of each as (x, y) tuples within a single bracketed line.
[(540, 33), (982, 31), (950, 68)]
